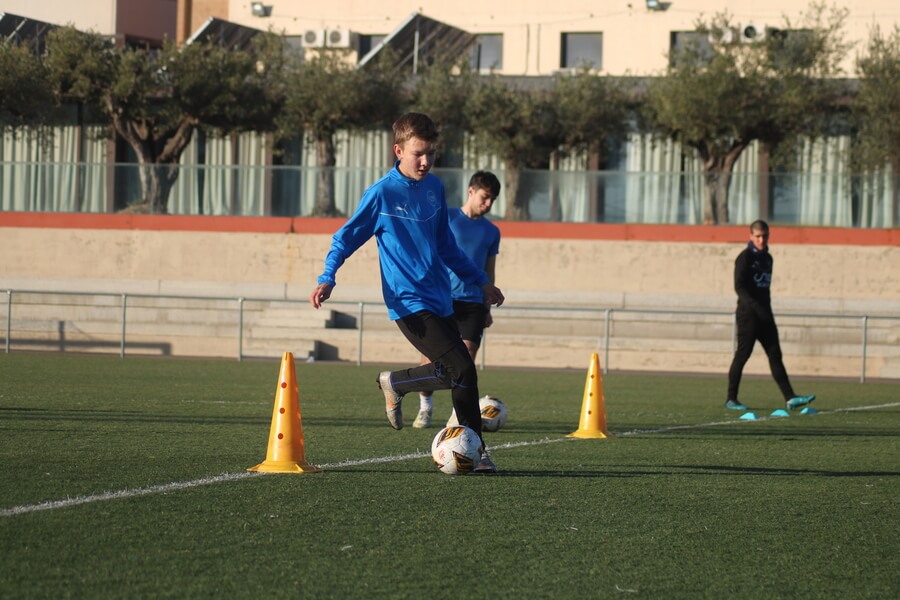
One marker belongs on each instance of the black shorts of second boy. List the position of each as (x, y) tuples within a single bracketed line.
[(470, 318)]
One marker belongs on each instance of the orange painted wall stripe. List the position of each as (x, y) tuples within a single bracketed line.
[(511, 229)]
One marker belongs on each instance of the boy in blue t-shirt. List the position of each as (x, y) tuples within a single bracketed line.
[(407, 213)]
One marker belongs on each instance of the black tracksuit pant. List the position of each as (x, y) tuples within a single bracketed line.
[(750, 327)]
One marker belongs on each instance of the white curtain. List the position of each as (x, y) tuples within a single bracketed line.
[(225, 188), (876, 199), (652, 189), (660, 181), (253, 150), (37, 176), (665, 183), (184, 197), (573, 184), (743, 190), (362, 159), (824, 193)]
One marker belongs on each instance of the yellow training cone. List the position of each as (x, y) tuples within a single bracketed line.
[(285, 453), (593, 408)]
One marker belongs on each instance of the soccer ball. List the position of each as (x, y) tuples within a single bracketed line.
[(493, 413), (456, 450)]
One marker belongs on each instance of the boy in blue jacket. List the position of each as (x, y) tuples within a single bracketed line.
[(406, 211)]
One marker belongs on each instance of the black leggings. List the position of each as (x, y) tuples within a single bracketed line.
[(451, 368)]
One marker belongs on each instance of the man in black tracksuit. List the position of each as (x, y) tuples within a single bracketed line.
[(752, 278)]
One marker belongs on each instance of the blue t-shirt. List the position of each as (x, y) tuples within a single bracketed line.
[(415, 245), (478, 239)]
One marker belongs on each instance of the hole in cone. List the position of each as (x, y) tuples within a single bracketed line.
[(281, 410), (284, 384), (280, 436)]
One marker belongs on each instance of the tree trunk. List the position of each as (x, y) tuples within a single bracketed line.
[(325, 162), (555, 207), (158, 156), (715, 182), (715, 211), (517, 206), (157, 181), (717, 179)]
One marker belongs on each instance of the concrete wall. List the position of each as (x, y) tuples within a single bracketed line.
[(566, 264), (823, 271)]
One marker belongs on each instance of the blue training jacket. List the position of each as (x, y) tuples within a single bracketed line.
[(409, 221)]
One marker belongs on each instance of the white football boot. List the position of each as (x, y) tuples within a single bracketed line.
[(392, 400)]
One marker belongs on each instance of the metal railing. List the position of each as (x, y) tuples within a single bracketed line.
[(593, 315)]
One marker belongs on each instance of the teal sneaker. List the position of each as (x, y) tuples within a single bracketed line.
[(798, 401), (734, 405)]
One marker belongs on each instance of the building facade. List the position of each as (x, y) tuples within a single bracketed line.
[(530, 38), (645, 181)]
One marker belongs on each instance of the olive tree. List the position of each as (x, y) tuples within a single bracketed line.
[(156, 99), (326, 94), (718, 99), (877, 108), (442, 91), (593, 113), (520, 126), (26, 92)]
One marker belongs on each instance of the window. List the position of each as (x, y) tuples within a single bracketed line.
[(791, 48), (579, 50), (367, 42), (695, 42), (487, 55)]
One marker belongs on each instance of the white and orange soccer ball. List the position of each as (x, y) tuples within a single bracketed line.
[(493, 413), (456, 450)]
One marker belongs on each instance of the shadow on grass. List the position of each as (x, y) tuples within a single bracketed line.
[(631, 471), (732, 470), (768, 432), (505, 473), (93, 416)]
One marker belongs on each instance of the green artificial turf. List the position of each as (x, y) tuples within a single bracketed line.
[(127, 478)]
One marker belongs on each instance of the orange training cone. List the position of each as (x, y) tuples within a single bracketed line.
[(285, 453), (593, 408)]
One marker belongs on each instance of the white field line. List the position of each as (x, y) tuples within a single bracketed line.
[(182, 485)]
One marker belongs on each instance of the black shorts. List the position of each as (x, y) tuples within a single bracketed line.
[(470, 318), (431, 335)]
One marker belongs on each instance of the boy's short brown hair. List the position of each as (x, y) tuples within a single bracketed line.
[(485, 180), (415, 125)]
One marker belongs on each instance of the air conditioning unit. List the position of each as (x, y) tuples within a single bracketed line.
[(753, 32), (313, 38), (338, 38)]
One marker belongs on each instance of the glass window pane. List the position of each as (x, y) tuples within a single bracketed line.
[(692, 45), (367, 42), (581, 50), (488, 52)]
